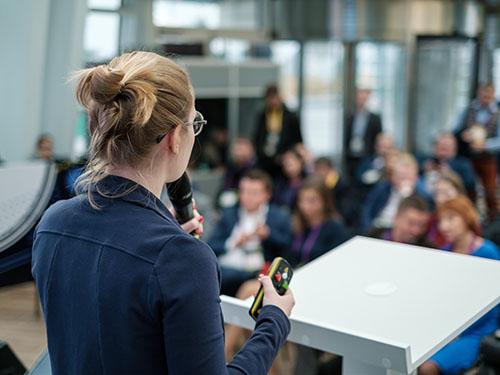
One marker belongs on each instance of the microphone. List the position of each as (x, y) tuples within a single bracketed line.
[(181, 196)]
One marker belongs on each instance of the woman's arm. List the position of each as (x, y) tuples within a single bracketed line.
[(187, 277)]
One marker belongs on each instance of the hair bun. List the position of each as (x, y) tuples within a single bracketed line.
[(105, 84)]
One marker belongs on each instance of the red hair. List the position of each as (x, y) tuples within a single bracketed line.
[(462, 206)]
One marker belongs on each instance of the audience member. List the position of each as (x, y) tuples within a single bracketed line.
[(214, 151), (250, 234), (445, 158), (293, 172), (459, 223), (372, 168), (448, 186), (242, 159), (340, 190), (44, 147), (478, 136), (360, 130), (410, 223), (381, 204), (278, 130), (315, 227), (315, 232), (306, 155)]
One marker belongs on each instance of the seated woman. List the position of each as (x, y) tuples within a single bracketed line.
[(459, 224), (447, 186), (293, 169), (315, 232)]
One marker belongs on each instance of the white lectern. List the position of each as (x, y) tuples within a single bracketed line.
[(384, 306)]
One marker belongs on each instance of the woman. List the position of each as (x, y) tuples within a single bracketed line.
[(459, 224), (124, 289), (316, 231), (448, 186), (294, 171)]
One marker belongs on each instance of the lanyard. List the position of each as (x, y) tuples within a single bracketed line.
[(307, 244)]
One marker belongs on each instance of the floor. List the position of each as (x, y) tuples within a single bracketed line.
[(21, 323)]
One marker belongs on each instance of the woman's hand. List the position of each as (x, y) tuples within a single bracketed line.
[(271, 296), (194, 225)]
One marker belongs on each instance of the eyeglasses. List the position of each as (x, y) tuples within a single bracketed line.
[(197, 124)]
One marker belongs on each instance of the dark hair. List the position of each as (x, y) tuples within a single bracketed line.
[(271, 90), (324, 161), (317, 184), (413, 201), (260, 175), (298, 156)]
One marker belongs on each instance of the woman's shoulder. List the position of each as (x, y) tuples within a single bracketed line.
[(332, 224), (488, 249)]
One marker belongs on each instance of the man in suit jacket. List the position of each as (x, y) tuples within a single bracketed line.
[(445, 158), (278, 129), (381, 204), (250, 234), (360, 131)]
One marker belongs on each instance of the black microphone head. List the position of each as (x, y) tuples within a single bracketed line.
[(181, 196)]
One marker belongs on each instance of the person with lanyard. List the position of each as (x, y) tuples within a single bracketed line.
[(277, 130), (293, 172), (459, 224), (479, 140), (315, 226), (316, 231), (124, 288)]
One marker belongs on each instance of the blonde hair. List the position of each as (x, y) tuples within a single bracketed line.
[(407, 160), (131, 101)]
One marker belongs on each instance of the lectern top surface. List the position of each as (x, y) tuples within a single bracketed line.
[(396, 294)]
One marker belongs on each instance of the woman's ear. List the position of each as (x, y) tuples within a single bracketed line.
[(173, 140)]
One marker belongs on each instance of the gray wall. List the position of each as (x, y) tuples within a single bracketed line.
[(41, 42)]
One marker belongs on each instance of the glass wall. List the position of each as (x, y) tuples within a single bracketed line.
[(445, 73), (381, 67), (286, 54), (322, 113), (101, 36), (496, 72), (228, 14)]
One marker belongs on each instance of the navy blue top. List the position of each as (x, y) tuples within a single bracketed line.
[(313, 243), (125, 290)]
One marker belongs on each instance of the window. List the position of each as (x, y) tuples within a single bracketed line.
[(496, 72), (235, 14), (285, 54), (445, 73), (104, 4), (380, 67), (322, 114), (233, 50), (101, 37)]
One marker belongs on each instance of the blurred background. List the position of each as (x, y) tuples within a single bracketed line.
[(419, 62), (422, 60)]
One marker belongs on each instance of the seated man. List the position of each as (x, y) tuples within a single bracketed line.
[(445, 158), (250, 234), (382, 202), (373, 168), (410, 224)]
